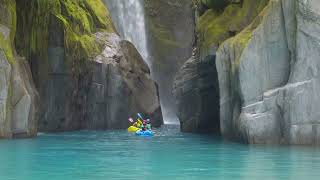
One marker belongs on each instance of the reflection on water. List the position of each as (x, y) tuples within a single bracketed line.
[(170, 154)]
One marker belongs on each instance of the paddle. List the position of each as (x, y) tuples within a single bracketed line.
[(139, 115)]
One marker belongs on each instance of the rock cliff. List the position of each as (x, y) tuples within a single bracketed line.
[(196, 87), (81, 76), (18, 96), (268, 76), (86, 76), (197, 96), (266, 55), (120, 87)]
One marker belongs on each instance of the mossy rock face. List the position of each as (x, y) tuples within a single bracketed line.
[(62, 28), (18, 96), (7, 31), (214, 26), (58, 39), (80, 19), (7, 27), (261, 51)]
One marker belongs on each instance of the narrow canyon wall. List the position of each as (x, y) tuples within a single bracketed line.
[(18, 96), (196, 87), (266, 56), (268, 76)]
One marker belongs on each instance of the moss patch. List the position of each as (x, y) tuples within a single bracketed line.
[(80, 19), (6, 46), (8, 19), (239, 42), (214, 27), (101, 16)]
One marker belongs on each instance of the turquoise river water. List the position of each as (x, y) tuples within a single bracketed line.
[(92, 155)]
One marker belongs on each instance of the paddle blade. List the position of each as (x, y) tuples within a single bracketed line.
[(139, 115)]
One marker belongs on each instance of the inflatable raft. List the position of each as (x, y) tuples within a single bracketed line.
[(133, 129), (146, 133)]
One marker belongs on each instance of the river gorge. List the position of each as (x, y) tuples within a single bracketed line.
[(230, 88)]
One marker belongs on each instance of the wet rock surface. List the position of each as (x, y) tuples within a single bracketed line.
[(197, 96)]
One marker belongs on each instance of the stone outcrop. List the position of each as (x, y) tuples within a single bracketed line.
[(197, 96), (24, 101), (170, 30), (268, 76), (120, 87), (18, 96)]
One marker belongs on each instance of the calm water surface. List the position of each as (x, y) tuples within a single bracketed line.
[(170, 154)]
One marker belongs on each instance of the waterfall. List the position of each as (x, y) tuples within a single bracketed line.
[(128, 18)]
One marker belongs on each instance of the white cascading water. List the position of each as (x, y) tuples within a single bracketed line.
[(128, 17)]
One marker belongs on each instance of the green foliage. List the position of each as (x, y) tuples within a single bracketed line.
[(101, 16)]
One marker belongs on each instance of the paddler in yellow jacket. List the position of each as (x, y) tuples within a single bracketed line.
[(138, 123), (135, 126)]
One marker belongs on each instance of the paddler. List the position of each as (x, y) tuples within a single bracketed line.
[(144, 125), (148, 125), (139, 123)]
